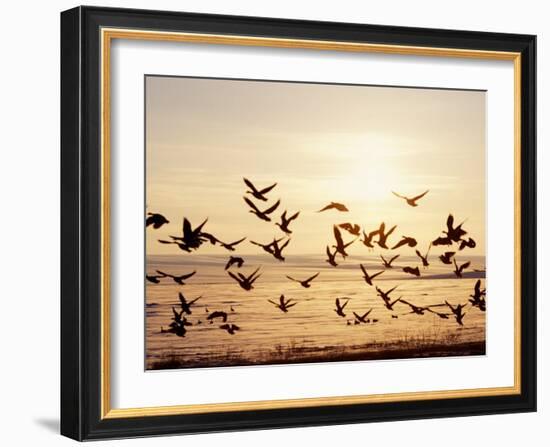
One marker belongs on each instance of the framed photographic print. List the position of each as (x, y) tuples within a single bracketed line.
[(277, 223)]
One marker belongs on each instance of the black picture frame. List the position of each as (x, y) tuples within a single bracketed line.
[(81, 214)]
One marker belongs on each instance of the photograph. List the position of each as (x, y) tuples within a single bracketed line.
[(296, 222)]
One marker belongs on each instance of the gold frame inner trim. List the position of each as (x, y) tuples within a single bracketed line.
[(107, 35)]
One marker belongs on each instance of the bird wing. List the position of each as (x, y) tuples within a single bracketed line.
[(224, 326), (399, 195), (269, 188), (339, 206), (250, 185), (400, 244), (188, 275), (294, 216), (364, 270), (199, 228), (414, 199), (251, 204), (441, 241), (284, 245), (313, 277), (235, 277), (289, 277), (229, 263), (328, 207), (236, 328), (195, 300), (236, 242), (407, 303), (392, 229), (376, 274), (357, 316), (465, 266), (338, 236), (394, 258), (163, 274), (272, 208), (274, 303), (186, 229), (287, 305), (450, 222)]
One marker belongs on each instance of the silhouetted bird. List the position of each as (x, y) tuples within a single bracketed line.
[(388, 264), (367, 238), (285, 222), (283, 303), (186, 305), (458, 270), (234, 260), (191, 239), (157, 220), (178, 324), (331, 257), (217, 314), (340, 246), (362, 318), (306, 282), (155, 278), (353, 229), (382, 237), (369, 278), (231, 246), (246, 282), (424, 258), (419, 310), (230, 328), (334, 205), (446, 257), (386, 297), (457, 312), (405, 240), (258, 194), (412, 270), (268, 248), (470, 243), (412, 201), (340, 307), (478, 298), (178, 278), (278, 250), (453, 234), (261, 214)]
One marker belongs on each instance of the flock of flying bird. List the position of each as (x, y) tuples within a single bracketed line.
[(192, 238)]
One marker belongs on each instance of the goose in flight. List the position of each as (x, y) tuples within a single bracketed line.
[(340, 307), (331, 257), (178, 324), (478, 298), (362, 318), (340, 246), (283, 304), (261, 214), (367, 238), (457, 312), (285, 222), (186, 305), (352, 229), (424, 258), (231, 246), (336, 206), (405, 240), (411, 201), (155, 278), (388, 264), (155, 219), (230, 328), (191, 239), (383, 237), (368, 278), (306, 282), (179, 279), (412, 270), (418, 310), (470, 243), (217, 314), (234, 260), (246, 282), (258, 193), (386, 297), (458, 270), (278, 250)]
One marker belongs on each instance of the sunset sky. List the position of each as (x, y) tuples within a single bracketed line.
[(320, 143)]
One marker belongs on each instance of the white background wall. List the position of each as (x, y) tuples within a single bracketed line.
[(29, 253)]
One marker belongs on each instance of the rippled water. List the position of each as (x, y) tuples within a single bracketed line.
[(311, 329)]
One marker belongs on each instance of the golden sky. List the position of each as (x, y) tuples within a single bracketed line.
[(320, 143)]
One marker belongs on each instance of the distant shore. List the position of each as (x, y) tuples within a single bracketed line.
[(404, 349)]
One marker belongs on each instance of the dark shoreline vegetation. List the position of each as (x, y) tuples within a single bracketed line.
[(405, 348)]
